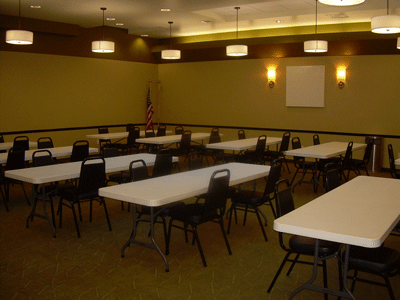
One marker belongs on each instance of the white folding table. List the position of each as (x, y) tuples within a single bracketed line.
[(171, 139), (164, 190), (55, 152), (117, 135), (361, 212), (9, 145), (65, 171), (322, 151)]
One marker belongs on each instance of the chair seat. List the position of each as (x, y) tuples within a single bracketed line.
[(122, 177), (248, 197), (382, 260), (164, 210), (193, 213), (305, 245), (71, 193)]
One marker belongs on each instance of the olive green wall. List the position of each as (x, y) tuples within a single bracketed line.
[(52, 91), (236, 93)]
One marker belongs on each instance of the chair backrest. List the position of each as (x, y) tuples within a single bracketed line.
[(214, 136), (347, 157), (21, 141), (273, 177), (296, 144), (134, 133), (179, 130), (241, 134), (1, 138), (80, 151), (92, 176), (42, 158), (195, 160), (260, 146), (161, 130), (368, 151), (391, 161), (110, 151), (186, 140), (149, 133), (103, 130), (332, 179), (45, 142), (129, 127), (283, 198), (217, 193), (285, 142), (15, 159), (163, 164), (138, 170), (316, 139)]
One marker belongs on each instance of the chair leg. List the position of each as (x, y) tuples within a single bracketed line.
[(260, 222), (230, 217), (169, 237), (293, 263), (221, 223), (106, 212), (6, 195), (59, 212), (75, 219), (278, 272), (325, 278), (90, 210), (196, 236)]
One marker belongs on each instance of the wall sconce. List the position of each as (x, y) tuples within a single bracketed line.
[(341, 77), (271, 77)]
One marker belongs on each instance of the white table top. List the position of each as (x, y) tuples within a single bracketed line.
[(360, 212), (55, 152), (397, 161), (326, 150), (239, 145), (57, 172), (9, 145), (117, 135), (161, 140), (179, 186)]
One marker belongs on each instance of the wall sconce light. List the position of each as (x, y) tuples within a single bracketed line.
[(341, 77), (271, 77)]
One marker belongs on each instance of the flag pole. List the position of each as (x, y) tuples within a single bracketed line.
[(158, 102)]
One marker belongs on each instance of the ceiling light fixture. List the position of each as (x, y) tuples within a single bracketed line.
[(385, 24), (316, 46), (341, 2), (398, 43), (103, 46), (236, 50), (19, 37), (170, 53)]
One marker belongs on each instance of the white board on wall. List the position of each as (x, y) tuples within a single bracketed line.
[(305, 86)]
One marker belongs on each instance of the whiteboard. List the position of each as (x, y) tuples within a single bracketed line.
[(305, 86)]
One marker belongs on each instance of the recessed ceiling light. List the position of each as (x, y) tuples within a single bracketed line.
[(144, 35), (278, 21), (206, 21), (110, 19), (36, 6), (165, 9), (119, 24)]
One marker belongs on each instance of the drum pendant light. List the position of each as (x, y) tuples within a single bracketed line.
[(316, 46), (18, 36), (170, 53), (236, 50), (386, 24), (103, 46), (341, 2)]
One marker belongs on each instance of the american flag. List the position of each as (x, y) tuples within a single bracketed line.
[(150, 111)]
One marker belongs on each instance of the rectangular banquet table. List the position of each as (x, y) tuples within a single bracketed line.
[(322, 151), (163, 190), (55, 152), (117, 135), (9, 145), (59, 172), (170, 139), (244, 144), (361, 212)]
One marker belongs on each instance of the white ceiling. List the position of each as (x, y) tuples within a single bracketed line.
[(145, 17)]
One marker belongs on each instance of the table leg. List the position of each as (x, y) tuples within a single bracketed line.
[(153, 245), (45, 215), (309, 286)]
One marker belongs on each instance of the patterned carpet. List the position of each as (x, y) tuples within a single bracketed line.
[(34, 265)]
